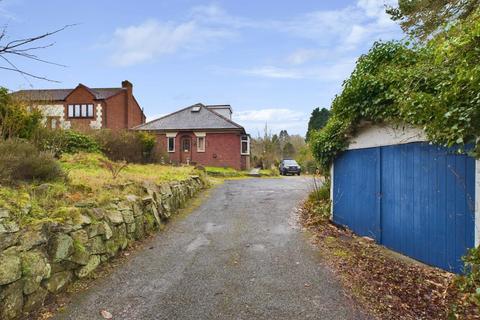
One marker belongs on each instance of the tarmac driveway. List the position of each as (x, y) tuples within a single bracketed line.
[(239, 255)]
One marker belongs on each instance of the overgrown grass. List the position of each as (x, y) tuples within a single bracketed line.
[(224, 172), (85, 169), (232, 173), (270, 172), (88, 183)]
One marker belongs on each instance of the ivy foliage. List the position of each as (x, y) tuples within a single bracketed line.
[(435, 87)]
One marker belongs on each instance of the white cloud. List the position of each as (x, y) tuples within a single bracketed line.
[(275, 119), (376, 9), (347, 27), (301, 56), (334, 71), (273, 72), (152, 39), (336, 37), (269, 115), (215, 15), (342, 29)]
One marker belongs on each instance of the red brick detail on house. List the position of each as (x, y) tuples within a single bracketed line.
[(222, 149), (134, 113), (80, 95), (115, 112), (120, 109)]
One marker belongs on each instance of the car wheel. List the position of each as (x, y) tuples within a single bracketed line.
[(298, 173)]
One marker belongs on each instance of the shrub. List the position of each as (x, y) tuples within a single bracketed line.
[(321, 192), (16, 119), (74, 142), (130, 146), (467, 288), (22, 161), (64, 141)]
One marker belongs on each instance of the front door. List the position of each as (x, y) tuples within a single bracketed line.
[(186, 151)]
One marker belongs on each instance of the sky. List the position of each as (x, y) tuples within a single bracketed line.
[(272, 61)]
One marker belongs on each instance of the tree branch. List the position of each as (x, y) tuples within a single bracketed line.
[(21, 48)]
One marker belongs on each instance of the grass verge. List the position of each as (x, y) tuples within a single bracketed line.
[(88, 182)]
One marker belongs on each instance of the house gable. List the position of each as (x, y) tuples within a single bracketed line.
[(80, 92)]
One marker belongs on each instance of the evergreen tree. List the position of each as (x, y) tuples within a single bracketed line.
[(288, 151), (317, 121)]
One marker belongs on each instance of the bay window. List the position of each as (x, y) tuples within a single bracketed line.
[(80, 111)]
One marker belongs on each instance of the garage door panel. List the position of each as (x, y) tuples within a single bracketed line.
[(417, 199), (356, 191)]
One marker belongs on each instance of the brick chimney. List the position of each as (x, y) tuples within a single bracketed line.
[(128, 101), (129, 86)]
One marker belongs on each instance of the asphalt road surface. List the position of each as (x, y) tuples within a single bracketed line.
[(240, 255)]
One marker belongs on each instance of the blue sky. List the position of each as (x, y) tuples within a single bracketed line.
[(273, 61)]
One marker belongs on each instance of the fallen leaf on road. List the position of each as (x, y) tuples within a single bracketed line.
[(106, 315)]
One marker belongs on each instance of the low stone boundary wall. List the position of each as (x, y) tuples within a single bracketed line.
[(43, 259)]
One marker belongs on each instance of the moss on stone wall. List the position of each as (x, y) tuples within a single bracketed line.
[(45, 257)]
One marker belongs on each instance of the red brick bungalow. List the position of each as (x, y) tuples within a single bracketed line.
[(202, 134), (84, 108)]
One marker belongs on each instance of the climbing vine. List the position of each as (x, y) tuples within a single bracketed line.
[(435, 87)]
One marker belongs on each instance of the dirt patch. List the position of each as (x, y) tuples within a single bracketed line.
[(388, 286)]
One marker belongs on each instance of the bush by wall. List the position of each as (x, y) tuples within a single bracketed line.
[(22, 161), (131, 146), (64, 141)]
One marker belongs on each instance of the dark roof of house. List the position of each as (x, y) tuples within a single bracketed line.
[(190, 119), (61, 94)]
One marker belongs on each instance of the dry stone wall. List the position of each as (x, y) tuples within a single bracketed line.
[(43, 259)]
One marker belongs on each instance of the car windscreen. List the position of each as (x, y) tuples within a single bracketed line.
[(290, 163)]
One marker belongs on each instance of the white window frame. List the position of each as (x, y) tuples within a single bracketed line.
[(198, 144), (168, 144), (203, 136), (246, 139), (71, 110), (83, 111), (90, 110), (80, 111)]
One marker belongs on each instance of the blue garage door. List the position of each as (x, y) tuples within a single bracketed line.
[(417, 199)]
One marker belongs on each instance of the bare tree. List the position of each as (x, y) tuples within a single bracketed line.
[(25, 48)]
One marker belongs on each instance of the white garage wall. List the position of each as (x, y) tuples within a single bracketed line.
[(385, 135)]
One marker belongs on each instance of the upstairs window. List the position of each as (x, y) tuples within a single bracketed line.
[(245, 145), (80, 110), (171, 144)]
